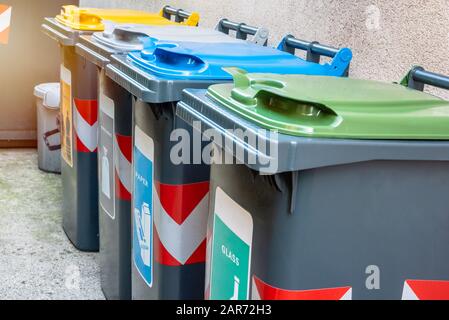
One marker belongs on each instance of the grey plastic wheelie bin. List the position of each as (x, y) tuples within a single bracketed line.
[(325, 188), (79, 108), (170, 198), (115, 138)]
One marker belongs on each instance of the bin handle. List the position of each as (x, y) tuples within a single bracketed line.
[(57, 35), (418, 77), (181, 16), (126, 81), (99, 58), (47, 135), (180, 58), (243, 31), (316, 50)]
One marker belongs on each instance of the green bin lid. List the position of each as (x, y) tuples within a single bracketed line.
[(328, 107)]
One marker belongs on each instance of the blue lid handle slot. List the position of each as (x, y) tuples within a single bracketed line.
[(260, 35), (175, 62), (341, 57), (418, 77)]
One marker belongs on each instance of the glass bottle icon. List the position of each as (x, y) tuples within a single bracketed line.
[(235, 297)]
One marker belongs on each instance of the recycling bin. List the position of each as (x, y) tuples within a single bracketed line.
[(115, 139), (171, 187), (48, 135), (325, 188), (79, 109)]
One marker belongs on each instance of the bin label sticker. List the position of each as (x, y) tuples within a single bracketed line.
[(106, 154), (66, 116), (5, 23), (143, 205), (231, 250)]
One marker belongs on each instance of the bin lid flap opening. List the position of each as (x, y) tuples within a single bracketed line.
[(205, 61), (331, 107)]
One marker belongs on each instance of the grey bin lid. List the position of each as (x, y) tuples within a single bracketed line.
[(122, 39), (298, 153), (131, 37), (177, 33)]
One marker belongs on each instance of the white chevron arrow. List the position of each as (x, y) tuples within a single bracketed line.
[(408, 293), (181, 241), (86, 133), (123, 167)]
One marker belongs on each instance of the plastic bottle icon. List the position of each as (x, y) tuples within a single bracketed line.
[(143, 224), (235, 297), (105, 176)]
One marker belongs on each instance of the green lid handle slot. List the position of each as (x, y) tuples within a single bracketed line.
[(270, 99), (241, 79), (179, 14), (243, 31), (418, 77), (242, 82), (269, 96)]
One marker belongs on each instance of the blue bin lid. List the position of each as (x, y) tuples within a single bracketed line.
[(203, 61)]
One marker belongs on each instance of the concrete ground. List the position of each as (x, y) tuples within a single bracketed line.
[(37, 261)]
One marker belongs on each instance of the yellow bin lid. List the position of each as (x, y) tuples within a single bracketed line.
[(91, 19)]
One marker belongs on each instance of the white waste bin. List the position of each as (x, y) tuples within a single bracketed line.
[(48, 134)]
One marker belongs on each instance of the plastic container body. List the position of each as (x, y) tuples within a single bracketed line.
[(174, 267), (79, 112), (115, 154), (356, 242)]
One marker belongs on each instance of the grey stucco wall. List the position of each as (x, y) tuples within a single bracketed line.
[(387, 37)]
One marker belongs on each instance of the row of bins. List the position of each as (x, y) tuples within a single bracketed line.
[(203, 164)]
